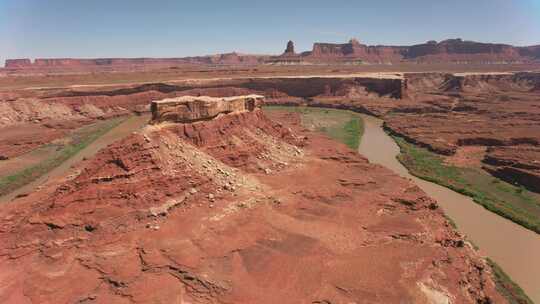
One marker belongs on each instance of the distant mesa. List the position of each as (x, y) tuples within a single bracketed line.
[(18, 63), (447, 51), (289, 50), (354, 41)]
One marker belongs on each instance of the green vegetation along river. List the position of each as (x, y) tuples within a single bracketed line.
[(83, 144), (513, 247), (508, 246)]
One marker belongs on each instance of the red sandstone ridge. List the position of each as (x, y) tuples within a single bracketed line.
[(458, 50), (447, 51), (451, 50), (18, 63), (354, 50), (234, 209), (75, 63)]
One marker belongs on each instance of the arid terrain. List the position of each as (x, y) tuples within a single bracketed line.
[(218, 201), (232, 210)]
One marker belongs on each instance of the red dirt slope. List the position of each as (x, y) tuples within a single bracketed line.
[(234, 210)]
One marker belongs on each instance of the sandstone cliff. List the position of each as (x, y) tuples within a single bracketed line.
[(447, 51), (354, 50), (97, 63), (190, 108)]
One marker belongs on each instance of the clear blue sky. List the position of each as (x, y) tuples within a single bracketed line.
[(131, 28)]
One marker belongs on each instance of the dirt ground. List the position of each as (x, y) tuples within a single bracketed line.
[(240, 209)]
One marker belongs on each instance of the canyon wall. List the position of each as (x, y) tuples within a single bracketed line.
[(77, 63), (446, 51), (354, 50), (459, 50), (53, 112)]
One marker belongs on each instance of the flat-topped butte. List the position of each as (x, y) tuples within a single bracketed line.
[(186, 109)]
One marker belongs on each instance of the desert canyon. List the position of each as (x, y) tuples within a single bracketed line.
[(214, 186)]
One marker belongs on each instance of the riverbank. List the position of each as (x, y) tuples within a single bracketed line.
[(509, 201), (512, 247), (82, 144), (505, 243), (54, 154), (341, 125)]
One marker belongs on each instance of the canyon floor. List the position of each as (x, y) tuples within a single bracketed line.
[(261, 208)]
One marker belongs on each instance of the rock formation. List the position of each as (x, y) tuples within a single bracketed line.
[(519, 164), (53, 64), (289, 50), (237, 209), (187, 109), (353, 50), (18, 63), (447, 51), (453, 50), (33, 117)]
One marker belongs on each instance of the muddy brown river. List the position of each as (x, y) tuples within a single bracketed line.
[(514, 248), (122, 130)]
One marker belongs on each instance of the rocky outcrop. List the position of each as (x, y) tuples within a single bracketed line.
[(18, 63), (457, 50), (187, 109), (353, 50), (52, 64), (203, 212), (312, 87), (472, 83), (446, 51), (530, 51), (30, 111), (289, 50), (515, 164)]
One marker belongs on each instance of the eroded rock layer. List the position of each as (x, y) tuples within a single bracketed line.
[(446, 51), (40, 116), (233, 210), (190, 108), (440, 111)]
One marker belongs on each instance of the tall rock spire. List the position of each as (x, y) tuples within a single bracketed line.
[(289, 50)]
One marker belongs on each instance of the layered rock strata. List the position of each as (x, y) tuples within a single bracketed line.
[(237, 209), (187, 109)]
